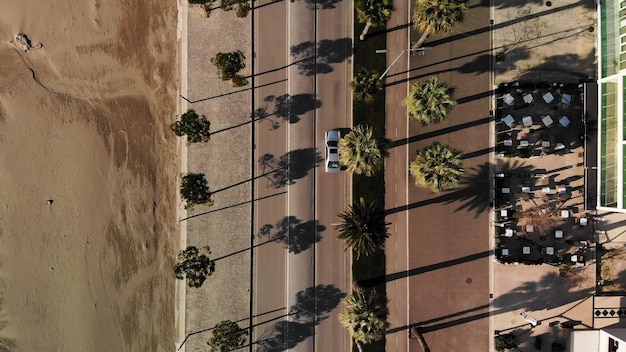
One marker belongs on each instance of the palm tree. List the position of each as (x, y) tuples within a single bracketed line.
[(373, 13), (365, 317), (361, 153), (365, 85), (437, 16), (437, 167), (363, 227), (430, 101)]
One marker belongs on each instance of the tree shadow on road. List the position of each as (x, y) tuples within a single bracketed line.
[(321, 4), (286, 108), (295, 235), (313, 58), (311, 307), (289, 167)]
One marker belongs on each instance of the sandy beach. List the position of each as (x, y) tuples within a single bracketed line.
[(84, 121)]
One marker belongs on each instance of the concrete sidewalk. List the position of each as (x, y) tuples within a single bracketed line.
[(225, 226)]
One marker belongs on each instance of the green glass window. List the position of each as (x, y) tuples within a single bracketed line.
[(608, 145)]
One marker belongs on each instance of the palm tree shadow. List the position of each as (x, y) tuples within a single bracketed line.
[(474, 189), (312, 306), (290, 166), (295, 235)]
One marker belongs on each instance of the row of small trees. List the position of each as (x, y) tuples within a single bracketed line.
[(193, 264)]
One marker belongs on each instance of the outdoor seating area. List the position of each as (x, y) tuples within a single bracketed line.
[(566, 243), (538, 120), (539, 213), (539, 185)]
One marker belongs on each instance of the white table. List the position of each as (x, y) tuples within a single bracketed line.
[(545, 144), (508, 120), (565, 214), (508, 142), (523, 143), (504, 213), (547, 120), (528, 98), (508, 99), (526, 250), (527, 121), (508, 233), (550, 250), (564, 121), (545, 189), (583, 222), (558, 234), (566, 98), (506, 190), (559, 146), (548, 97), (525, 189), (505, 251), (530, 228)]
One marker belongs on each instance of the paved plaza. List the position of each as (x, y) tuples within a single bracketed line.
[(545, 54)]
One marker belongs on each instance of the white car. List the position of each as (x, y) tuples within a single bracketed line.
[(331, 141)]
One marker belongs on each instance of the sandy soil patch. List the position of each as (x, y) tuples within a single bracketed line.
[(84, 122)]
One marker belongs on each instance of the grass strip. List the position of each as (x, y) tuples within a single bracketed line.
[(370, 269)]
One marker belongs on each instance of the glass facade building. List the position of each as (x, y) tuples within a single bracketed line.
[(612, 94)]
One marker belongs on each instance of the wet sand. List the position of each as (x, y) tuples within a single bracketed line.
[(84, 121)]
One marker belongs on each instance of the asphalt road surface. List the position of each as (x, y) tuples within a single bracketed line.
[(301, 272)]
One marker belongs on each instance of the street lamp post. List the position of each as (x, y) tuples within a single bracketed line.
[(383, 51)]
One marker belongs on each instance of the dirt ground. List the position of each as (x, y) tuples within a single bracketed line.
[(84, 122)]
